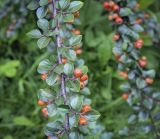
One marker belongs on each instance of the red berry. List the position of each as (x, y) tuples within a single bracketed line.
[(78, 73), (110, 17), (125, 96), (116, 37), (124, 75), (44, 76), (117, 57), (115, 8), (84, 78), (149, 81), (143, 62), (42, 103), (76, 31), (78, 51), (138, 21), (44, 112), (106, 5), (81, 85), (138, 44), (115, 16), (86, 108), (111, 4), (82, 121), (119, 20), (64, 60)]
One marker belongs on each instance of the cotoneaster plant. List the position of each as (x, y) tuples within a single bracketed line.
[(63, 101), (151, 26), (139, 92), (13, 15)]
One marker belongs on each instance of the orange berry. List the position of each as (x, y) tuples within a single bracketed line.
[(125, 96), (82, 121), (115, 8), (86, 108), (110, 17), (116, 37), (143, 61), (117, 57), (138, 44), (64, 60), (84, 78), (114, 16), (78, 73), (81, 85), (119, 20), (76, 31), (76, 14), (42, 103), (124, 75), (44, 112), (106, 5), (111, 4), (138, 21), (78, 51), (44, 76), (149, 81)]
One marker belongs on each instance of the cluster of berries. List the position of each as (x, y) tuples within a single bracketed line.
[(142, 62), (83, 119)]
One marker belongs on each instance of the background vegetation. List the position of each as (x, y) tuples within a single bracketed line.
[(20, 116)]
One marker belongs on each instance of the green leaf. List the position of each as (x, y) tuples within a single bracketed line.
[(43, 2), (9, 68), (138, 28), (143, 116), (140, 83), (43, 42), (85, 91), (149, 73), (33, 5), (43, 24), (63, 4), (22, 121), (92, 115), (51, 79), (75, 6), (41, 12), (45, 95), (44, 66), (74, 85), (144, 4), (75, 40), (84, 69), (68, 18), (53, 127), (52, 110), (8, 137), (59, 69), (70, 55), (73, 121), (125, 11), (35, 33), (148, 103), (68, 68), (63, 109), (156, 95), (76, 102), (105, 49)]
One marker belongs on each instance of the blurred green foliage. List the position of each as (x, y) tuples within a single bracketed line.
[(20, 116)]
